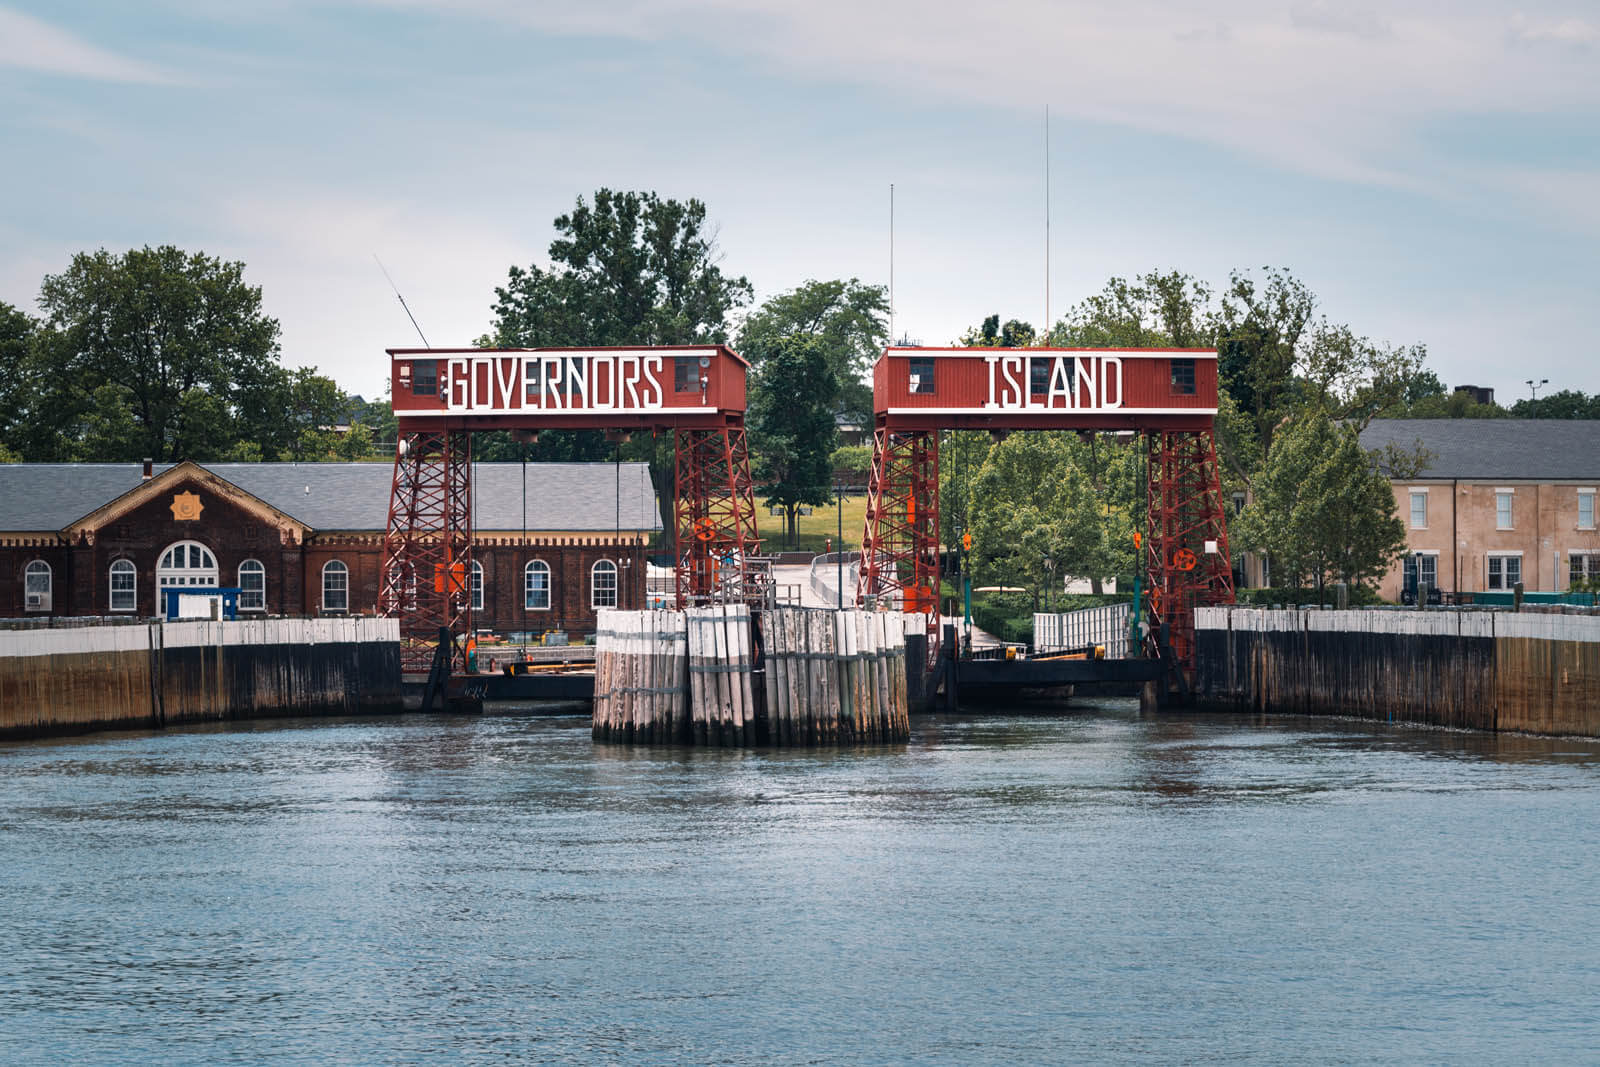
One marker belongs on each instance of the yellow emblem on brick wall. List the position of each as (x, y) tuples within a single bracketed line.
[(186, 506)]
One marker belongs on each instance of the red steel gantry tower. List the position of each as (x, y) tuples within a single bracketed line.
[(442, 395), (1167, 395)]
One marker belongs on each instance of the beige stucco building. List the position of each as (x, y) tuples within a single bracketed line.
[(1502, 501)]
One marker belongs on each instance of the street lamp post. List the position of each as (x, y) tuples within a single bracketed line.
[(1533, 390)]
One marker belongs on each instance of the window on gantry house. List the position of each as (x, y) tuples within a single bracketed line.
[(685, 374), (477, 586), (1183, 377), (1039, 376), (1585, 509), (425, 377), (921, 375)]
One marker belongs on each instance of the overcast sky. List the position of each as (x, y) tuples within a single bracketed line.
[(1430, 168)]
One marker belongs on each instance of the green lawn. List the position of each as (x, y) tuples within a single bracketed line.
[(823, 522)]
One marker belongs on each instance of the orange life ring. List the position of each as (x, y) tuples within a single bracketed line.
[(1184, 559), (705, 529)]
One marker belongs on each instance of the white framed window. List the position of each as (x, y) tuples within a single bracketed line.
[(1423, 568), (1585, 509), (536, 586), (335, 586), (1502, 508), (1419, 509), (37, 586), (1505, 569), (1583, 566), (124, 585), (252, 586), (477, 586), (185, 563), (603, 584)]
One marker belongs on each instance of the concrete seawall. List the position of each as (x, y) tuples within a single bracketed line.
[(55, 681), (1526, 671)]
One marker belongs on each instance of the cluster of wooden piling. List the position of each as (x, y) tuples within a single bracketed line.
[(641, 667), (835, 677), (715, 676), (722, 703)]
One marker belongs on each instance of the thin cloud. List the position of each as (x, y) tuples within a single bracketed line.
[(30, 44)]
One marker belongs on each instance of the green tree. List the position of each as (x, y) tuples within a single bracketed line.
[(1035, 514), (1562, 404), (177, 331), (791, 443), (1153, 310), (990, 334), (1322, 511), (16, 337), (629, 269), (848, 317)]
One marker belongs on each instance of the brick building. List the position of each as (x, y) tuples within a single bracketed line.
[(552, 541), (1502, 501)]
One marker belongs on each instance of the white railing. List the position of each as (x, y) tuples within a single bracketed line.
[(1106, 626), (824, 577)]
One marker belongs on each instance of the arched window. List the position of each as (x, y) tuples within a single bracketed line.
[(335, 586), (36, 586), (603, 584), (186, 563), (536, 586), (124, 585), (252, 586), (477, 586)]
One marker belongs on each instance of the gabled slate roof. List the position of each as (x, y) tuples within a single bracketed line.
[(351, 496), (1527, 449)]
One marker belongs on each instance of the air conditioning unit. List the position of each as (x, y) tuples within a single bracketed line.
[(36, 602)]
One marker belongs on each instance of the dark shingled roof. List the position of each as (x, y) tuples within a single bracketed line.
[(1529, 449), (350, 496)]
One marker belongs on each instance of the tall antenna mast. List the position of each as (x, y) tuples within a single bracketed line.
[(891, 263), (402, 300), (1047, 324)]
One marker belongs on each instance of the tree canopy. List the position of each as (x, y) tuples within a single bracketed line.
[(791, 442), (628, 269), (1321, 510), (164, 354), (850, 320)]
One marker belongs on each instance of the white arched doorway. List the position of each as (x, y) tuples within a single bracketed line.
[(187, 563)]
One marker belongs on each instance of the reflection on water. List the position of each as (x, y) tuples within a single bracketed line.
[(1100, 885)]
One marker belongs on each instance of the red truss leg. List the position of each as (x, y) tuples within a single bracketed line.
[(715, 519), (900, 539), (427, 551), (1186, 553)]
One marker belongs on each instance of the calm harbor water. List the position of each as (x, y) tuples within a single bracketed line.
[(1099, 886)]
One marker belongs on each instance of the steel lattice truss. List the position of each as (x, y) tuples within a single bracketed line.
[(427, 550), (714, 516), (1185, 513), (900, 539)]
